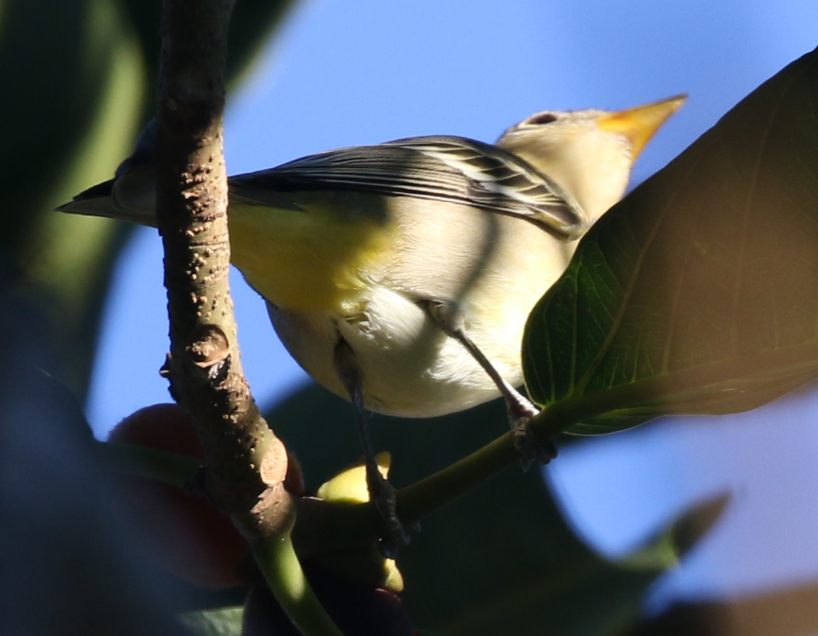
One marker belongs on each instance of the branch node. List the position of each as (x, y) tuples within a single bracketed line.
[(208, 345), (274, 512)]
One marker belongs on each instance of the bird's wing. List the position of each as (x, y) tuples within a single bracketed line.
[(451, 169)]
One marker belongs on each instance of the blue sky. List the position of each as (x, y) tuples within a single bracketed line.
[(351, 72)]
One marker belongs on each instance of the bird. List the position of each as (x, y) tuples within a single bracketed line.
[(400, 275)]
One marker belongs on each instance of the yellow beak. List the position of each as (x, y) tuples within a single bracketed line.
[(639, 124)]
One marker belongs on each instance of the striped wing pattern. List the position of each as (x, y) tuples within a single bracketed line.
[(451, 169)]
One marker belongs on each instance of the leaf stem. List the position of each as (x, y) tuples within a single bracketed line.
[(282, 571), (437, 490)]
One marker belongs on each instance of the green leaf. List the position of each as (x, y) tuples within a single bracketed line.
[(81, 75), (698, 293), (672, 542), (501, 559), (221, 622), (77, 100)]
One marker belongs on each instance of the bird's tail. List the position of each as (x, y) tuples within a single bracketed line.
[(131, 194), (101, 200)]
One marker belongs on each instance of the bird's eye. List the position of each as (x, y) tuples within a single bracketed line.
[(543, 118)]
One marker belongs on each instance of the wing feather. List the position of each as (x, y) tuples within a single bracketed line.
[(452, 169)]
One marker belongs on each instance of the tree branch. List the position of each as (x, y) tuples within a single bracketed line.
[(243, 457), (245, 463)]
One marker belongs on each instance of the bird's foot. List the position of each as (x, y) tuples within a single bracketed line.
[(529, 448), (382, 494)]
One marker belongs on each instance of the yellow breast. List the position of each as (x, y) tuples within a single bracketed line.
[(316, 257)]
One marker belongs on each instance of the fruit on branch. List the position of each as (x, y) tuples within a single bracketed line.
[(185, 532)]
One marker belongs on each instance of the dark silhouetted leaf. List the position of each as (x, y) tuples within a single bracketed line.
[(501, 559), (790, 611)]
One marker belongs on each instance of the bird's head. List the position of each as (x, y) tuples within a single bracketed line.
[(589, 153)]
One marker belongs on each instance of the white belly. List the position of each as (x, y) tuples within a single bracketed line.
[(494, 268), (409, 366)]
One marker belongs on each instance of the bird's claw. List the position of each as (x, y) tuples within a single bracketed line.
[(382, 494), (529, 448)]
